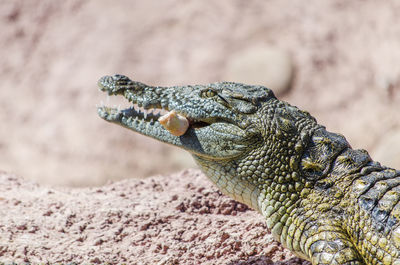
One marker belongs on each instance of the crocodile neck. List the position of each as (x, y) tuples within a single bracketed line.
[(270, 181)]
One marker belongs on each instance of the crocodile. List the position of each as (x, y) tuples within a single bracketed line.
[(323, 200)]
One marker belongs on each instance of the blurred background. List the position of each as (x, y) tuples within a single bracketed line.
[(338, 59)]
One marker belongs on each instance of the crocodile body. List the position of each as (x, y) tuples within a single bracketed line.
[(321, 199)]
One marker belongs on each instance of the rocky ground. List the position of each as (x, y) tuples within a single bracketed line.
[(337, 59), (175, 219)]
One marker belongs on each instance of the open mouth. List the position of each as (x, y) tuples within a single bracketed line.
[(170, 120), (149, 111)]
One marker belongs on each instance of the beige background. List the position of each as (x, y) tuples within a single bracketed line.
[(345, 56)]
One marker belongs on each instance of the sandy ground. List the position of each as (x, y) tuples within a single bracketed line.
[(175, 219), (345, 56)]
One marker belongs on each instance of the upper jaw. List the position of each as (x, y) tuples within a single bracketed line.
[(117, 84)]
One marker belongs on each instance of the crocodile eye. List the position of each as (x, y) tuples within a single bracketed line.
[(208, 93)]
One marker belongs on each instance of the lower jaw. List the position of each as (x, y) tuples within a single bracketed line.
[(197, 139)]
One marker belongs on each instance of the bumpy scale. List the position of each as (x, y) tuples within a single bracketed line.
[(321, 199)]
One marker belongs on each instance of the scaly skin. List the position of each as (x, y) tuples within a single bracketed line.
[(321, 199)]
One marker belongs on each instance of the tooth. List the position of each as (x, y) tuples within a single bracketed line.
[(163, 112), (145, 113), (174, 123)]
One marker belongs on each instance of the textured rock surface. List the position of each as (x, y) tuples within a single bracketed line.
[(175, 219)]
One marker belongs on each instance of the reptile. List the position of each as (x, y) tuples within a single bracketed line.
[(323, 200)]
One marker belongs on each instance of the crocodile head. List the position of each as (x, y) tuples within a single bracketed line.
[(222, 116), (241, 136)]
